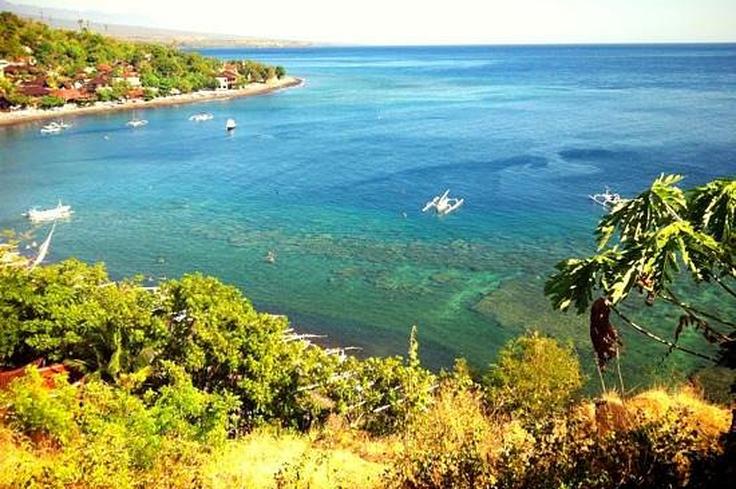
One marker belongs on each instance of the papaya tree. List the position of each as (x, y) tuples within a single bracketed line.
[(649, 247)]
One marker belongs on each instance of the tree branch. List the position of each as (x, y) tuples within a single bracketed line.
[(724, 286), (661, 340), (672, 299)]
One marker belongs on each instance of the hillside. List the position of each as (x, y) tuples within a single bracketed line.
[(108, 25), (45, 67)]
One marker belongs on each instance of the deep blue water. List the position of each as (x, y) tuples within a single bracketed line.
[(332, 177)]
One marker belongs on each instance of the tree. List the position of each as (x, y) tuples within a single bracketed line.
[(651, 245)]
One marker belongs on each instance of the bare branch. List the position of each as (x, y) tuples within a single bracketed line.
[(661, 340), (673, 299)]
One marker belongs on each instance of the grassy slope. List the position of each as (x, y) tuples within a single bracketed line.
[(337, 456)]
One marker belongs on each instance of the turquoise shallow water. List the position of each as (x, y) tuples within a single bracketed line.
[(333, 175)]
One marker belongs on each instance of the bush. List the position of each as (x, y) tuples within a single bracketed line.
[(534, 376), (450, 445), (50, 101), (31, 407), (183, 411)]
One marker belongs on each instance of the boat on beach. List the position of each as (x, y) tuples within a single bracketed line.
[(59, 212), (201, 117), (443, 204), (606, 199), (230, 125)]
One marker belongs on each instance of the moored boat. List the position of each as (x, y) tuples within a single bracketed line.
[(443, 204), (58, 212), (136, 123), (51, 128), (201, 117), (230, 125), (606, 199)]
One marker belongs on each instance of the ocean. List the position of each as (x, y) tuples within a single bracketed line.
[(332, 176)]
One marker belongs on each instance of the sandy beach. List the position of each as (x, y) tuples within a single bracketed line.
[(29, 115)]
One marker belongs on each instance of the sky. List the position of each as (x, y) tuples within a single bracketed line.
[(429, 21)]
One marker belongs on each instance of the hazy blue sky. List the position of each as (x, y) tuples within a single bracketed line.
[(430, 21)]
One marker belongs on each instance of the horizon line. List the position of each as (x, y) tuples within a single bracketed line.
[(310, 44)]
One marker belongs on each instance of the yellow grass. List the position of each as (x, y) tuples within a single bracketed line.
[(338, 456), (263, 458)]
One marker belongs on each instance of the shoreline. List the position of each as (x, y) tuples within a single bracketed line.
[(32, 115)]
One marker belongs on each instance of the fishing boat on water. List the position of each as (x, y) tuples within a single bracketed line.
[(443, 204), (59, 212), (50, 129), (136, 123), (201, 117), (230, 125), (55, 127), (606, 199)]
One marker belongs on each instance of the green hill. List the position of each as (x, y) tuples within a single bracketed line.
[(46, 67)]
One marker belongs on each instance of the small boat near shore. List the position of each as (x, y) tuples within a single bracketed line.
[(443, 204), (201, 117), (55, 127), (230, 125), (59, 212), (50, 129), (606, 199), (136, 123)]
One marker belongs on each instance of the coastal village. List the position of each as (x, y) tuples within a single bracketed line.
[(103, 83), (43, 68)]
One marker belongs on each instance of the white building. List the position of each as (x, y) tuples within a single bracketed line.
[(222, 83)]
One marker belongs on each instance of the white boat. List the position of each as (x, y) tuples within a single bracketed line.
[(201, 117), (607, 199), (55, 127), (230, 125), (58, 212), (443, 204), (51, 128), (136, 123)]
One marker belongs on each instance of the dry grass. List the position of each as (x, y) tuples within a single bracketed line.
[(265, 459), (337, 456)]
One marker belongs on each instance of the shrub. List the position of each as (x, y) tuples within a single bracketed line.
[(31, 407), (534, 375), (183, 411), (450, 445), (50, 101)]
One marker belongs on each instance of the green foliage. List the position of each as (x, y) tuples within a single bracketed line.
[(181, 410), (651, 244), (50, 101), (533, 376), (63, 53), (658, 233), (31, 407)]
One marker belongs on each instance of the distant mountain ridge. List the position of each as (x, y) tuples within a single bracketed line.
[(108, 25)]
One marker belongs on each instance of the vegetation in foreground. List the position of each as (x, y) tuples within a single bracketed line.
[(46, 67), (190, 386)]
